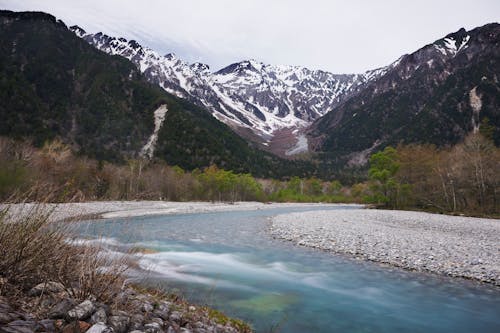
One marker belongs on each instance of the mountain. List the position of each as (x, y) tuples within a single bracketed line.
[(128, 100), (55, 85), (437, 95), (258, 101)]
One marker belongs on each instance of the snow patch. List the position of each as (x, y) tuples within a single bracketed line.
[(301, 146), (361, 158), (159, 116), (451, 46), (476, 104)]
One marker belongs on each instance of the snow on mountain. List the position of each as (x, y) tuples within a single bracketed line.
[(246, 95), (453, 43)]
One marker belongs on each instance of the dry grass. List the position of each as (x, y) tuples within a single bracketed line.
[(34, 250)]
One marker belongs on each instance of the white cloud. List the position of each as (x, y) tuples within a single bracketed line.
[(339, 36)]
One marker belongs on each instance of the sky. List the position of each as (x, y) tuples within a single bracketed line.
[(346, 36)]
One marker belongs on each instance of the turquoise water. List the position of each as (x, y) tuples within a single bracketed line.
[(229, 261)]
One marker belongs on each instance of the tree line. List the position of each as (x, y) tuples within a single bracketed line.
[(32, 173), (464, 178), (459, 179)]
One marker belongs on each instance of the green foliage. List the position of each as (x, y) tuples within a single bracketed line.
[(383, 168), (221, 185), (384, 165)]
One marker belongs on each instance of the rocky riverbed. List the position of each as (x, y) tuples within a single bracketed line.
[(50, 307), (122, 209), (450, 245)]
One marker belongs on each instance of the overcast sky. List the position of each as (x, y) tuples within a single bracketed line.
[(345, 36)]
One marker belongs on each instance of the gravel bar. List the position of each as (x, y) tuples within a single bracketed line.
[(124, 209), (450, 245)]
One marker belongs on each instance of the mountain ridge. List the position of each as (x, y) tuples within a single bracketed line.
[(437, 94), (426, 98), (54, 85), (249, 96)]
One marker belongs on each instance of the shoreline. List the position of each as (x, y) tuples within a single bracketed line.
[(454, 246), (128, 209)]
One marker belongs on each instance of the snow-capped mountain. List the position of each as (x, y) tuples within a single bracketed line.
[(437, 94), (246, 95)]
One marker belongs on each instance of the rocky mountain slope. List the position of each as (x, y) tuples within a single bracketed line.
[(255, 99), (438, 95), (55, 85)]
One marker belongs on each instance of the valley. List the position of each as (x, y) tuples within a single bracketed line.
[(144, 193)]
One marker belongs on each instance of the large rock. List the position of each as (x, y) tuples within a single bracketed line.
[(119, 323), (46, 287), (82, 311), (99, 316), (61, 309), (20, 326)]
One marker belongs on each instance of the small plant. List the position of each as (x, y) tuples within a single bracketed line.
[(34, 250)]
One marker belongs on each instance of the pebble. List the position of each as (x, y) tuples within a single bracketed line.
[(449, 245)]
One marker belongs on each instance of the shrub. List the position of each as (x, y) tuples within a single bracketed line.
[(34, 250)]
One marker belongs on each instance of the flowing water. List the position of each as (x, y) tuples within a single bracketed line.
[(228, 260)]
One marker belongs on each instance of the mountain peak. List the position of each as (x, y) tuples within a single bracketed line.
[(80, 32), (170, 56), (199, 67)]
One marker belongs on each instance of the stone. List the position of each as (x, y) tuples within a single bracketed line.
[(20, 326), (82, 311), (99, 328), (76, 327), (46, 287), (153, 328), (48, 324), (147, 307), (119, 313), (61, 308), (59, 323), (158, 321), (136, 322), (162, 313), (7, 317), (119, 323), (176, 317), (99, 316), (4, 305), (84, 326)]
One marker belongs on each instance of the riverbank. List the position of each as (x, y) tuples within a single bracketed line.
[(449, 245), (121, 209), (79, 305), (50, 282), (52, 307)]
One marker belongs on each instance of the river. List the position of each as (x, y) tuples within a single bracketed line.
[(228, 261)]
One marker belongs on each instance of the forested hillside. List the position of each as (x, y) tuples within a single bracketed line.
[(55, 85)]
